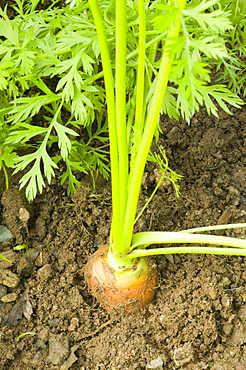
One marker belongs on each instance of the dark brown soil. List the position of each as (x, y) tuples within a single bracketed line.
[(198, 318)]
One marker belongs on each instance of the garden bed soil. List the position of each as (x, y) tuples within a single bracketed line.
[(198, 318)]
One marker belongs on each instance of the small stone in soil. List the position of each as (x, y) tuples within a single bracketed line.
[(5, 234), (183, 355), (227, 328), (157, 363), (44, 334), (44, 272), (212, 292), (11, 297), (225, 281), (73, 324), (54, 322), (24, 215), (226, 302), (8, 278), (58, 348)]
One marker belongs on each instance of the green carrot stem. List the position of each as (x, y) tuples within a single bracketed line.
[(158, 237), (216, 227), (6, 177), (137, 169), (140, 109), (187, 250), (238, 246), (151, 58), (116, 229), (150, 198), (128, 57), (130, 118), (120, 103)]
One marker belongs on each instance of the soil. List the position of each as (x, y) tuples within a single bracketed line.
[(198, 317)]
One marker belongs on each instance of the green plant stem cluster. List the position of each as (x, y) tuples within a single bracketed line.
[(180, 55)]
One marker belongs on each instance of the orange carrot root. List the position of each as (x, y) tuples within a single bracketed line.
[(128, 290)]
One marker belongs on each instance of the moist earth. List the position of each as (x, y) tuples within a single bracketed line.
[(49, 319)]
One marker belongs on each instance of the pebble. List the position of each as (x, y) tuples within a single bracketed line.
[(225, 281), (3, 290), (11, 297), (54, 322), (44, 334), (73, 324), (212, 292), (5, 234), (226, 302), (227, 328), (24, 215), (58, 348), (44, 272), (157, 363), (8, 278), (183, 355), (22, 265)]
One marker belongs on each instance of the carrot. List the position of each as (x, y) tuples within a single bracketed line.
[(120, 276), (126, 290)]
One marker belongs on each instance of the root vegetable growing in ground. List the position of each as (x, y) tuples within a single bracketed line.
[(119, 274), (156, 57)]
